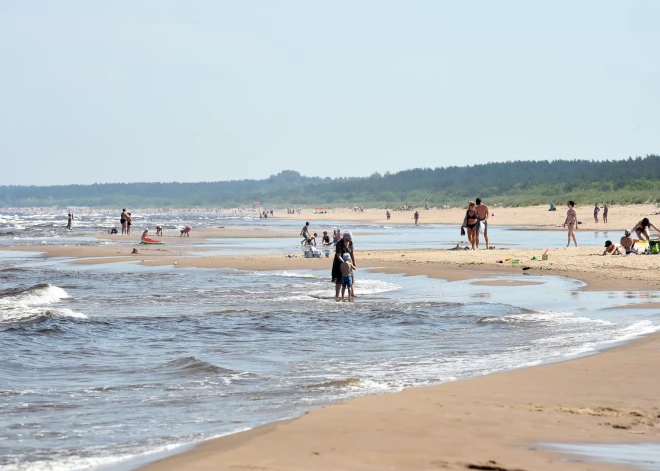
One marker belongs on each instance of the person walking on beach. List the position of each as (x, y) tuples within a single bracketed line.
[(572, 223), (416, 216), (129, 221), (470, 223), (426, 204), (642, 229), (69, 224), (344, 246), (122, 219), (482, 225), (596, 211), (605, 210), (347, 277), (304, 233), (387, 213)]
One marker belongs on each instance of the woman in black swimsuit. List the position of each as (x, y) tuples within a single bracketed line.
[(642, 229), (471, 221)]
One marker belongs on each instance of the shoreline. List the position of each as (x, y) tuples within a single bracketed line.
[(495, 420), (499, 417)]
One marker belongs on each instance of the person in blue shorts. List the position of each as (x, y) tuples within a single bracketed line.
[(347, 276)]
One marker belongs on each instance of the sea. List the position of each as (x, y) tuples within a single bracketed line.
[(110, 366)]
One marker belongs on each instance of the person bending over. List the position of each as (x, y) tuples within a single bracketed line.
[(642, 229)]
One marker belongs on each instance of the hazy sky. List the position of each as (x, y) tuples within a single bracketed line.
[(163, 90)]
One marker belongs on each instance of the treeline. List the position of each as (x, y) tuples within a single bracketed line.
[(634, 180)]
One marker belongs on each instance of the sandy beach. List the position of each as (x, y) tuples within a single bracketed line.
[(529, 218)]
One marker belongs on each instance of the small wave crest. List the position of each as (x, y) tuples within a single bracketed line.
[(36, 295), (540, 317), (21, 305), (194, 366)]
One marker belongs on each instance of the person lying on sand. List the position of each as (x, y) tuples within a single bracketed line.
[(628, 243), (613, 249), (642, 229)]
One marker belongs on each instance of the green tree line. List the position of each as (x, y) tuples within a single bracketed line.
[(514, 183)]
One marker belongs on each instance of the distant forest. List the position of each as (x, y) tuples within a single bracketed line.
[(520, 183)]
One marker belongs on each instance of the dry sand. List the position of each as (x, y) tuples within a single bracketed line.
[(493, 422), (535, 217)]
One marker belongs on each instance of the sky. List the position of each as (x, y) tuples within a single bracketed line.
[(133, 91)]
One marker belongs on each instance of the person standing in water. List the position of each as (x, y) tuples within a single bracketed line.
[(304, 233), (344, 246), (572, 223), (482, 225), (347, 277), (69, 224)]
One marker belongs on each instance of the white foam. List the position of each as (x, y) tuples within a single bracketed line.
[(47, 294)]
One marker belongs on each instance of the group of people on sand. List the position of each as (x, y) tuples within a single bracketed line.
[(597, 210), (626, 245), (475, 223)]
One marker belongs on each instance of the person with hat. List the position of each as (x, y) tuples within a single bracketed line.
[(344, 246), (326, 239), (628, 243)]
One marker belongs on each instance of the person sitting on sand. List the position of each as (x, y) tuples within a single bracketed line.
[(312, 240), (326, 239), (613, 249), (572, 222), (159, 230), (642, 229), (628, 243), (186, 231), (347, 276), (144, 235)]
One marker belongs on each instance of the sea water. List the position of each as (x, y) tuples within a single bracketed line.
[(109, 364)]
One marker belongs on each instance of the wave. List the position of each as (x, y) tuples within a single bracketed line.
[(541, 317), (195, 366), (30, 304), (42, 293)]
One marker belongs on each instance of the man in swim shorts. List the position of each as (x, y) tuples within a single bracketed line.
[(482, 225)]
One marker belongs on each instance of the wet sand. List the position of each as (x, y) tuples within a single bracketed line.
[(493, 422)]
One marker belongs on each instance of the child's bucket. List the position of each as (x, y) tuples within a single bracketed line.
[(544, 256), (327, 254)]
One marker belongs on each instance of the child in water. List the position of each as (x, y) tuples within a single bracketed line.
[(347, 276)]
